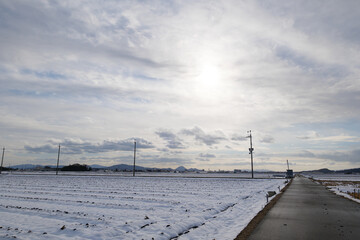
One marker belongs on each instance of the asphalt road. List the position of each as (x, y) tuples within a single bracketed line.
[(307, 210)]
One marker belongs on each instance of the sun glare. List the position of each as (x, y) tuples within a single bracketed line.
[(209, 76), (208, 82)]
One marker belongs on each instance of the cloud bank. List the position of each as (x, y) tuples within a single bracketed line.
[(70, 146), (190, 77)]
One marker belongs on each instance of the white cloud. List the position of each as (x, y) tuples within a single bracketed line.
[(121, 69), (310, 135), (267, 139), (173, 141), (78, 146), (205, 138)]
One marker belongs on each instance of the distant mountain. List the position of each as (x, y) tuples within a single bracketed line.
[(118, 167), (26, 166), (97, 166), (51, 166), (32, 166), (349, 171), (125, 167), (194, 170), (180, 169), (323, 170), (327, 171)]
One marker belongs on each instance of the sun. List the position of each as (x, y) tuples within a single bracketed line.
[(209, 76), (208, 82)]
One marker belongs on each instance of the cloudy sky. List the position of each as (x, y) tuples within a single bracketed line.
[(187, 79)]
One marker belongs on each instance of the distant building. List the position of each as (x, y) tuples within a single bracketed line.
[(237, 170), (289, 173)]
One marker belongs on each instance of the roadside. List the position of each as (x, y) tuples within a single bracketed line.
[(245, 233), (307, 210), (343, 188)]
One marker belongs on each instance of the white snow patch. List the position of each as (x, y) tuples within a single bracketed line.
[(118, 207), (342, 183)]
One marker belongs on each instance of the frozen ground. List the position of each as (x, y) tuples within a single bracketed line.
[(153, 174), (115, 207), (346, 185), (334, 176)]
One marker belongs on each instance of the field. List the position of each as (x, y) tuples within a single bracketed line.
[(118, 207), (346, 185)]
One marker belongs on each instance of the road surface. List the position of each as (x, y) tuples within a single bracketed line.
[(307, 210)]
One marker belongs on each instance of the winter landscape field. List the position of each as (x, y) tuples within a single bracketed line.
[(118, 207), (346, 185)]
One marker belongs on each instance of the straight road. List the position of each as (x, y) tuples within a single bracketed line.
[(307, 210)]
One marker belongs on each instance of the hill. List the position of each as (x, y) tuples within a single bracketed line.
[(349, 171), (125, 167), (327, 171), (32, 166), (118, 167)]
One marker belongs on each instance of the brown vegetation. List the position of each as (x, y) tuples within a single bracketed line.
[(354, 194), (338, 183), (332, 183)]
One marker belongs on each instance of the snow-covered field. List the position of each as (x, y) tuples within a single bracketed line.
[(346, 185), (115, 207), (154, 174), (335, 176)]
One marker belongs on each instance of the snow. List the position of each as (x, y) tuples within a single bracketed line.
[(340, 184), (343, 191), (121, 207), (334, 176), (152, 174)]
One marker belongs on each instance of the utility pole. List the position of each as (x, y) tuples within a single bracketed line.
[(251, 149), (287, 163), (57, 165), (2, 159), (134, 157)]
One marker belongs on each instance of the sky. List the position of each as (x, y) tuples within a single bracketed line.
[(186, 79)]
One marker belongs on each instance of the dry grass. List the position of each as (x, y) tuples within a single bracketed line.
[(329, 183), (354, 194), (333, 183)]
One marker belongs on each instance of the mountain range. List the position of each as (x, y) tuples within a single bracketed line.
[(126, 167), (328, 171), (118, 167)]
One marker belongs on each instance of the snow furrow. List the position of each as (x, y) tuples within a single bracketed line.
[(97, 207)]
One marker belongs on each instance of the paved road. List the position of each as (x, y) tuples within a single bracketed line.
[(307, 210)]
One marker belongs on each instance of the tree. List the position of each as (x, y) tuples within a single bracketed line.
[(76, 167)]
